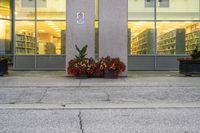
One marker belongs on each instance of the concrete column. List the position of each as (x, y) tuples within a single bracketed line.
[(80, 34), (113, 25)]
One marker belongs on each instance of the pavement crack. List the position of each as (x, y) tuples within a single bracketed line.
[(107, 97), (79, 85), (80, 122), (43, 95)]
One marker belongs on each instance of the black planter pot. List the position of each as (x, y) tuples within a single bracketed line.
[(110, 75), (82, 76), (189, 67), (3, 67)]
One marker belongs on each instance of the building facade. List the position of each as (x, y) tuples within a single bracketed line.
[(145, 34)]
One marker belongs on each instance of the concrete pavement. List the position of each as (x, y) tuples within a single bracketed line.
[(135, 79), (165, 96), (182, 120), (145, 102)]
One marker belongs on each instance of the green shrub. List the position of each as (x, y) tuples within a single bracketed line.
[(195, 54), (82, 53), (5, 59)]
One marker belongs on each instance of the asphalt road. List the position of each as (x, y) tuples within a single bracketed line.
[(149, 120), (100, 109)]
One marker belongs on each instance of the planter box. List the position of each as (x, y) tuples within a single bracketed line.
[(189, 67), (110, 75), (82, 76), (3, 68)]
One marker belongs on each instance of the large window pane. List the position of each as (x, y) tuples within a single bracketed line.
[(5, 34), (141, 9), (51, 37), (25, 9), (51, 9), (142, 37), (25, 37), (5, 9), (177, 37), (178, 10)]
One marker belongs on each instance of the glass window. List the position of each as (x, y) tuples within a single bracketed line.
[(5, 34), (149, 3), (142, 37), (178, 10), (141, 31), (5, 9), (51, 37), (25, 9), (51, 9), (177, 37), (141, 10), (163, 3), (25, 37)]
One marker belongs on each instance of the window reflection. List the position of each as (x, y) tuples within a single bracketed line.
[(5, 34), (51, 37), (5, 9), (25, 9), (177, 37), (25, 37), (178, 10), (51, 9), (142, 37), (141, 9)]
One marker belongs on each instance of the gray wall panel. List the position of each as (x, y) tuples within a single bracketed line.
[(113, 21), (25, 62), (167, 62), (141, 63), (50, 62)]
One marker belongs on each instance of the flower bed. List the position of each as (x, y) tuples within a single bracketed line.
[(82, 67), (106, 67), (111, 67)]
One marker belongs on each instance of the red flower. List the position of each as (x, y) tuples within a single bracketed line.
[(78, 67), (108, 64)]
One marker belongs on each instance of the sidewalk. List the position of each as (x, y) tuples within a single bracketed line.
[(138, 90), (54, 79)]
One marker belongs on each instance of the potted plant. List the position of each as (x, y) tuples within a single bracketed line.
[(99, 71), (190, 66), (111, 67), (81, 67), (4, 65)]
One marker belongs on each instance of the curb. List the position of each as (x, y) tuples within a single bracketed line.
[(93, 106)]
